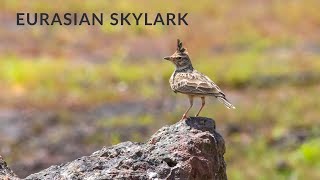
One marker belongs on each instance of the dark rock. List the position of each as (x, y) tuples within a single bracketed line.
[(190, 149)]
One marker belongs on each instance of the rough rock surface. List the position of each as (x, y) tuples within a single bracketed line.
[(189, 149), (5, 172)]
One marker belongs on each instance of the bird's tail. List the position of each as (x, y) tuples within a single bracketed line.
[(227, 103)]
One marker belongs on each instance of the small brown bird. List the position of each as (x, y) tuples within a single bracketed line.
[(186, 80)]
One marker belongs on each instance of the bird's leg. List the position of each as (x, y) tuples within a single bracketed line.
[(191, 103), (202, 105)]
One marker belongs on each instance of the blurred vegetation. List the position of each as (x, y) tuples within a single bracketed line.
[(264, 54)]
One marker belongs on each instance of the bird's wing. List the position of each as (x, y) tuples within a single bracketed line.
[(195, 83)]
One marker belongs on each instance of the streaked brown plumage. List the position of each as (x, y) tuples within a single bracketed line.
[(186, 80)]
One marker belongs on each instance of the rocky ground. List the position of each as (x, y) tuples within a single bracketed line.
[(189, 149)]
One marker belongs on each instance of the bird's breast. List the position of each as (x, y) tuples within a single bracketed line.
[(172, 82)]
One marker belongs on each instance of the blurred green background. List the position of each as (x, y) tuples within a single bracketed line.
[(66, 91)]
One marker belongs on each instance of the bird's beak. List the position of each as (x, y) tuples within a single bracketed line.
[(167, 58)]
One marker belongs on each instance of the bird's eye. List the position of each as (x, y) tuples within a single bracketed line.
[(179, 58)]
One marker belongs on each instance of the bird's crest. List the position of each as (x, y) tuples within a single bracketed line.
[(179, 47)]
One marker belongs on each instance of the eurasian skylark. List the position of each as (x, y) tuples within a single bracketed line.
[(186, 80)]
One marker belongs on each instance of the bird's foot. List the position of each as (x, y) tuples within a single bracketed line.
[(184, 117)]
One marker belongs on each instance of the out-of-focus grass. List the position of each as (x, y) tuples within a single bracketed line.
[(257, 160), (123, 121), (44, 81), (307, 154), (124, 124), (57, 82)]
